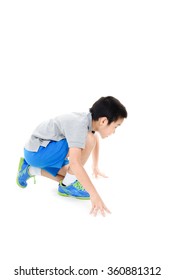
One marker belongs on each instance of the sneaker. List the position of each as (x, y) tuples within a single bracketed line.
[(23, 173), (75, 190)]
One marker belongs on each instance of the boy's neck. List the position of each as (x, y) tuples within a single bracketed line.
[(94, 125)]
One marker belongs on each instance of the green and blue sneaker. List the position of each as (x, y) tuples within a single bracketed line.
[(23, 173), (75, 190)]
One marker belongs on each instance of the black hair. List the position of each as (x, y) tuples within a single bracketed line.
[(108, 107)]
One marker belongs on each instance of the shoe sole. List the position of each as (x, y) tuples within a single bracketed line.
[(77, 197), (19, 168)]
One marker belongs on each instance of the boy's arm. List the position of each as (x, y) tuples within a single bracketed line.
[(77, 168), (95, 159), (95, 153)]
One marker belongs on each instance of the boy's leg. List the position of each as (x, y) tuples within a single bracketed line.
[(60, 175), (46, 162), (90, 144), (48, 175)]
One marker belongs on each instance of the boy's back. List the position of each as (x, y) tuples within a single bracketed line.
[(73, 127)]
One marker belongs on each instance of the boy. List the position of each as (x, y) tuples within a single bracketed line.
[(71, 136)]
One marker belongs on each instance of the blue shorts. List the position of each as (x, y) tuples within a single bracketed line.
[(50, 158)]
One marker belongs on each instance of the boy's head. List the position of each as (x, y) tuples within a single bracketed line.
[(108, 107), (107, 113)]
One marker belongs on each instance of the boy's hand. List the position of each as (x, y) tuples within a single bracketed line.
[(96, 173), (98, 206)]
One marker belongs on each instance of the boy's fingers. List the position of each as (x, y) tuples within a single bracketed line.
[(102, 212), (92, 209), (103, 175), (95, 210), (107, 210), (96, 175)]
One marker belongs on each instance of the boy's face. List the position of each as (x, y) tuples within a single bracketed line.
[(106, 130)]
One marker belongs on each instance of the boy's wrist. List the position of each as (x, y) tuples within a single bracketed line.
[(94, 166), (93, 192)]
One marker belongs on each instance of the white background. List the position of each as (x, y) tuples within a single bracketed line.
[(61, 56)]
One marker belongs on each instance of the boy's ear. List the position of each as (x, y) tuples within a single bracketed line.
[(103, 121)]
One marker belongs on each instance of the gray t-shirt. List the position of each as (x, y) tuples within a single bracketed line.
[(73, 127)]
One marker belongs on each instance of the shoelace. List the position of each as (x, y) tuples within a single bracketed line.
[(79, 186)]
